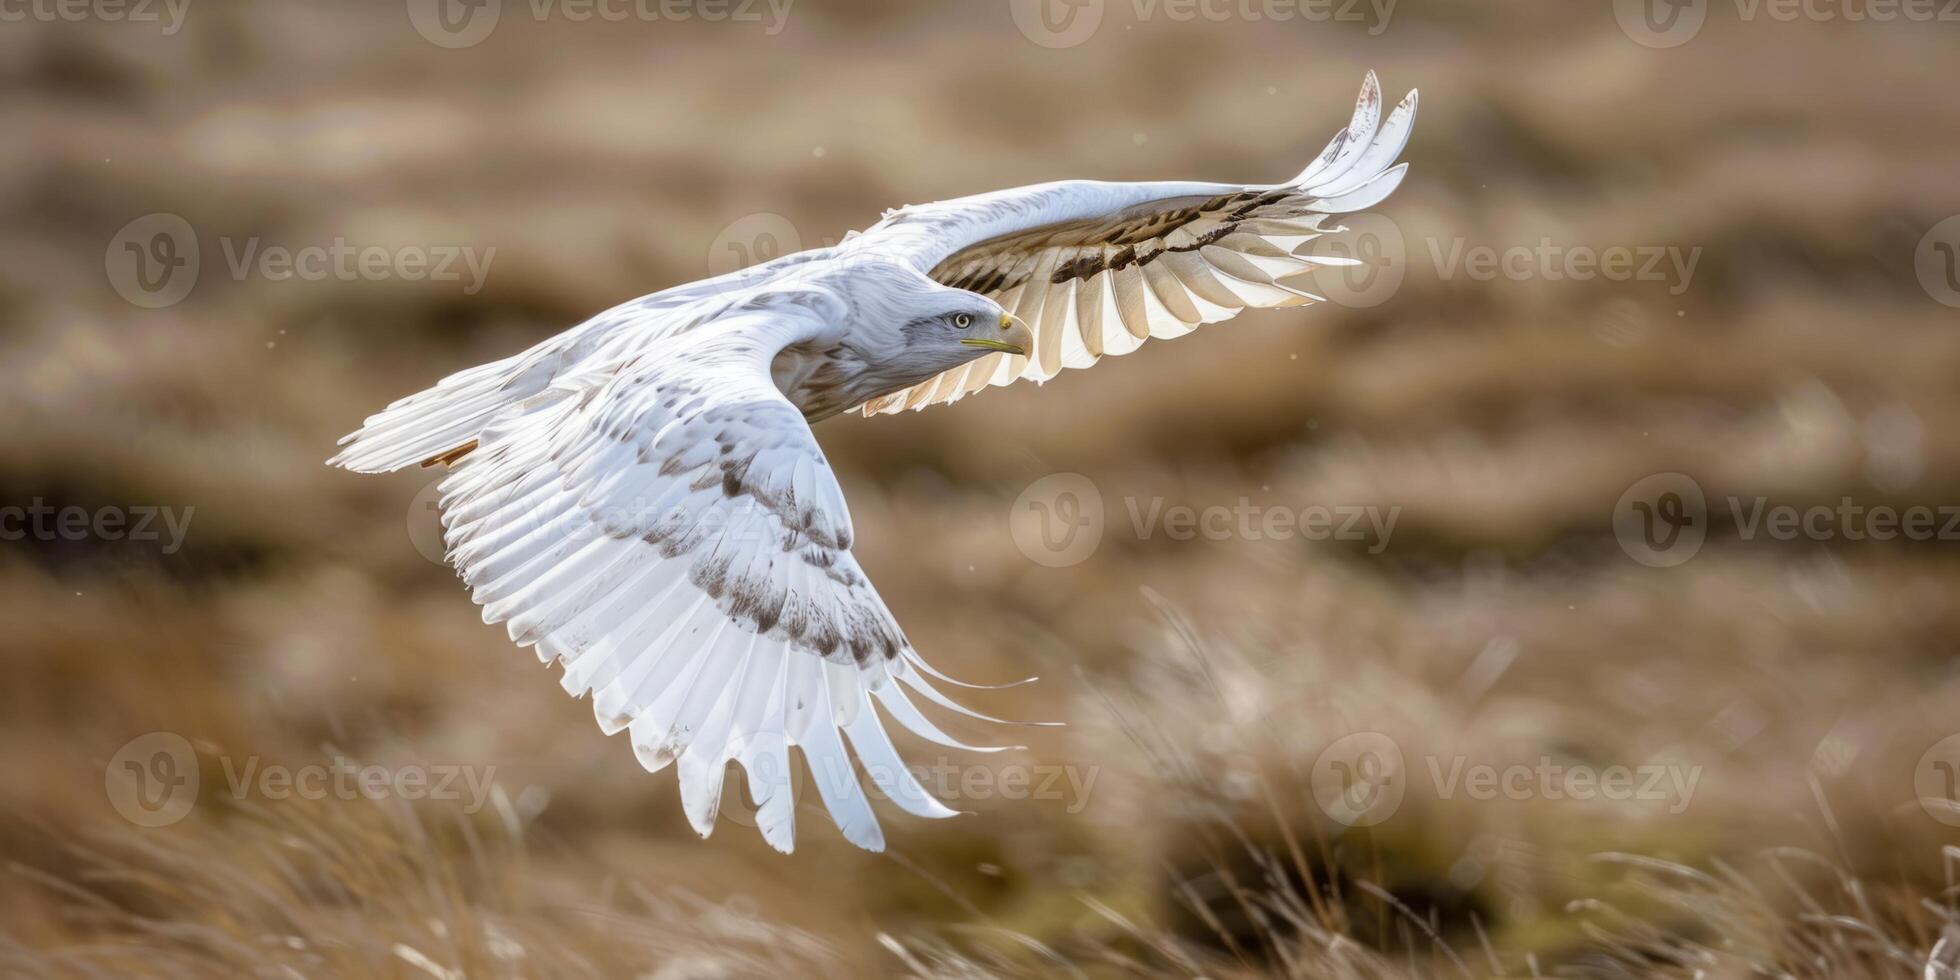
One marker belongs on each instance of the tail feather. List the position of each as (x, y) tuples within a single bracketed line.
[(435, 425), (439, 421)]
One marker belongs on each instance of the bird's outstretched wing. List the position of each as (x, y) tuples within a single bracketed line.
[(1096, 268), (429, 423), (670, 532)]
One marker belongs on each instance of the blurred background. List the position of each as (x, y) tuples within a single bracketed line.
[(1571, 697)]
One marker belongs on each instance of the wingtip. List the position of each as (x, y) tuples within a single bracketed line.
[(869, 836), (913, 658), (1371, 90), (780, 836)]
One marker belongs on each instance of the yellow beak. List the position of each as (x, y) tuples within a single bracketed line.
[(1015, 337)]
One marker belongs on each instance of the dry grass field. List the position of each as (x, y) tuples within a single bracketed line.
[(1723, 260)]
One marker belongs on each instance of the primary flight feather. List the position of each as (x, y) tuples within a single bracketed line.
[(641, 499)]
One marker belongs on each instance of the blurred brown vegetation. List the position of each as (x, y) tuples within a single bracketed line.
[(1503, 624)]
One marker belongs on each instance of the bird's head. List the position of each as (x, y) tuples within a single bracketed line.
[(973, 328), (925, 327)]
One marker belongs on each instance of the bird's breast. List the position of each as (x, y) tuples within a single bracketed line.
[(822, 380)]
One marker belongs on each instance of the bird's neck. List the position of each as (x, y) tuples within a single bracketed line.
[(825, 377)]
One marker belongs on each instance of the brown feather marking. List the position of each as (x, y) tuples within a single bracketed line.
[(449, 458)]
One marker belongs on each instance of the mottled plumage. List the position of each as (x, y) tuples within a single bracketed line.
[(641, 499)]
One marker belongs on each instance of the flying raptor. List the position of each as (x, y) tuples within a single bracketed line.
[(641, 499)]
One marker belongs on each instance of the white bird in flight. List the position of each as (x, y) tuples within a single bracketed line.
[(642, 500)]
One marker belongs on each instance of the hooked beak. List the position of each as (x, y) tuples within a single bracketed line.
[(1016, 338)]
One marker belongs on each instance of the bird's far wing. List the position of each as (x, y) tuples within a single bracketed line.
[(1096, 268), (671, 533)]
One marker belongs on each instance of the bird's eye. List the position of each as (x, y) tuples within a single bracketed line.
[(963, 321)]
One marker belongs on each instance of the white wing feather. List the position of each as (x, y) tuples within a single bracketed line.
[(1096, 268), (672, 534), (436, 420)]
